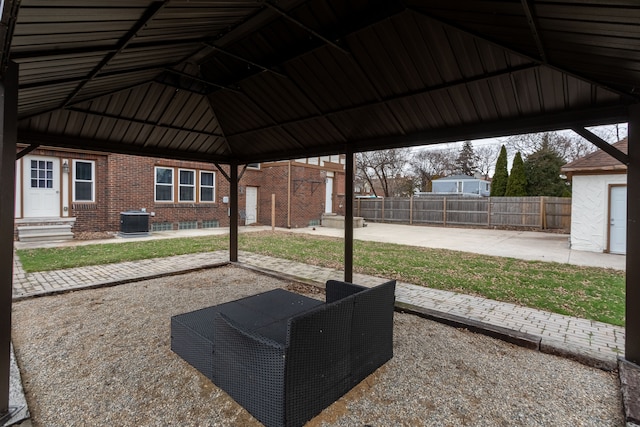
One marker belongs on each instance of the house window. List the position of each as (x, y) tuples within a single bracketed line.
[(207, 186), (41, 174), (83, 181), (187, 186), (164, 184)]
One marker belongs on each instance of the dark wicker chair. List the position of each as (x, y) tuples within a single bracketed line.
[(285, 357)]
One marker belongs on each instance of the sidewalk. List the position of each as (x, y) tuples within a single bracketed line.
[(592, 342)]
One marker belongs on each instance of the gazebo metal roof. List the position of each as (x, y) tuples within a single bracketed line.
[(257, 80)]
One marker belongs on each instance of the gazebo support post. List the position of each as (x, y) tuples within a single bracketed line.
[(233, 212), (8, 137), (348, 215), (632, 333)]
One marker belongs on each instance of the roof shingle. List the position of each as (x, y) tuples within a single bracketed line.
[(598, 161)]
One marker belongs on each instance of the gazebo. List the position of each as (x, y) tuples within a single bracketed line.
[(240, 82)]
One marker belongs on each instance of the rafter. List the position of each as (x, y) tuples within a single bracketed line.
[(19, 56), (383, 101), (84, 80), (309, 30), (150, 13), (200, 80), (111, 92), (181, 87), (247, 61), (142, 122), (532, 20), (374, 17)]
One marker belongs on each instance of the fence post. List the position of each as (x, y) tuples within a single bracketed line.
[(543, 212), (489, 212), (273, 212), (444, 211), (359, 206), (382, 209), (411, 210)]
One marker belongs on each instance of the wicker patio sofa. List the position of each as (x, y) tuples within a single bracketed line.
[(285, 357)]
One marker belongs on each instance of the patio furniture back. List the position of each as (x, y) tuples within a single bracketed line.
[(287, 372), (335, 346)]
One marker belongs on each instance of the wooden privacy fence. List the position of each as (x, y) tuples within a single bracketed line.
[(527, 212)]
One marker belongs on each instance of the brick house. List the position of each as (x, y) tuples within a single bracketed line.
[(59, 193)]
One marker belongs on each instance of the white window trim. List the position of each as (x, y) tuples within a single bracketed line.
[(194, 186), (155, 184), (207, 186), (93, 180)]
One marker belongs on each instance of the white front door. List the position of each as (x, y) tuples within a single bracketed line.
[(328, 198), (252, 205), (41, 186), (618, 220)]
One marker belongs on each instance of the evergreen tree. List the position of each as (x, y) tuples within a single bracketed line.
[(467, 161), (517, 182), (501, 175), (542, 169)]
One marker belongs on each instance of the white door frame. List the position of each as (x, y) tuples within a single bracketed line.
[(43, 200), (328, 197), (251, 209), (617, 222)]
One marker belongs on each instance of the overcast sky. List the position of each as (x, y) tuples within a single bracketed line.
[(608, 133)]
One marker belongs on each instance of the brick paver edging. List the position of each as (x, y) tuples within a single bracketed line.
[(593, 343)]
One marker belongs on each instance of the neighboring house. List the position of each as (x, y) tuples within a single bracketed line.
[(461, 184), (599, 202), (63, 192)]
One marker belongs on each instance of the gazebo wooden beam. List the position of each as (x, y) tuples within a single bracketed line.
[(632, 324), (8, 138)]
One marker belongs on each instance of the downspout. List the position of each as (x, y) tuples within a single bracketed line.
[(289, 196)]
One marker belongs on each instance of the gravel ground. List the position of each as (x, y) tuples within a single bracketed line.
[(101, 358)]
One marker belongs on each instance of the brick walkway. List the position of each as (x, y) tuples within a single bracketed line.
[(592, 342)]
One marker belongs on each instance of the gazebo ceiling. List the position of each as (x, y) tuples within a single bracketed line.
[(241, 81)]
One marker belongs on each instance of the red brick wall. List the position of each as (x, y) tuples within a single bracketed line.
[(91, 216), (131, 186), (128, 182), (307, 188)]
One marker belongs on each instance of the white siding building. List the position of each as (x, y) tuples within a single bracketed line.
[(598, 202)]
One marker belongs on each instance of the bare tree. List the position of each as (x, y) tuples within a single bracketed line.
[(568, 147), (487, 155), (429, 164), (384, 171), (611, 133)]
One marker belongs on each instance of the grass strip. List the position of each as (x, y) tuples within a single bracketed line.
[(586, 292)]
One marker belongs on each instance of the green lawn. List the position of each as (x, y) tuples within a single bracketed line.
[(587, 292)]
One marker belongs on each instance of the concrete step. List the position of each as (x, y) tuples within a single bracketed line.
[(337, 221), (40, 233)]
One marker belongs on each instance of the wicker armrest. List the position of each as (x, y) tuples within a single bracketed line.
[(336, 290), (250, 368)]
